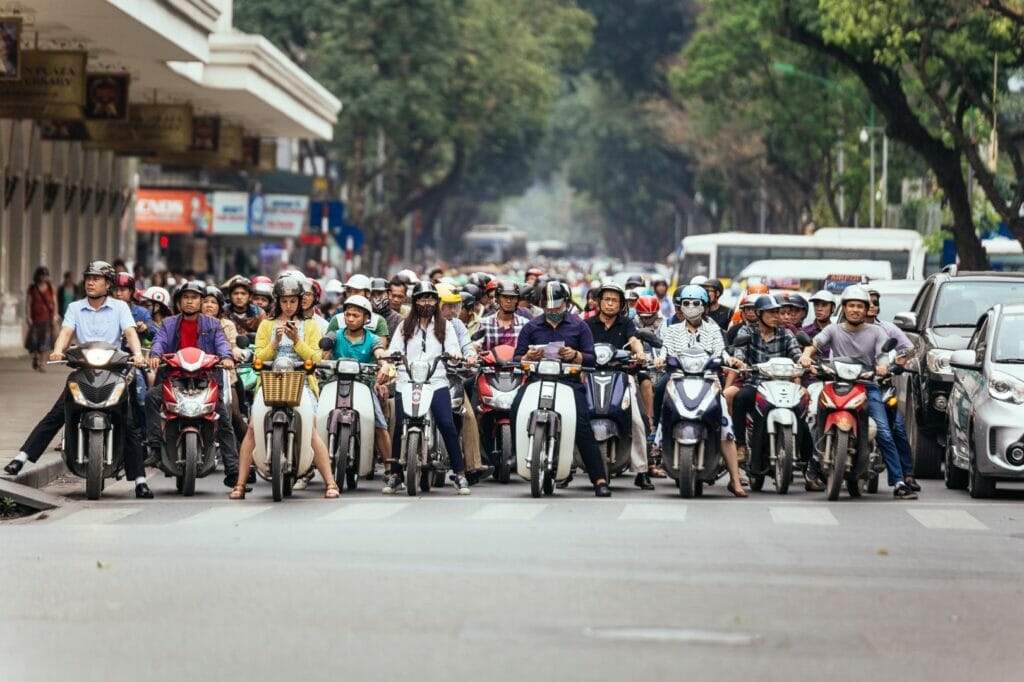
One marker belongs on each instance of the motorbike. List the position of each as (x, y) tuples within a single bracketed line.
[(610, 402), (692, 418), (421, 453), (189, 417), (499, 380), (345, 417), (95, 418), (781, 404), (545, 426)]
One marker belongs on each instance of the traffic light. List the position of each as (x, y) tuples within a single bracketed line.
[(164, 241)]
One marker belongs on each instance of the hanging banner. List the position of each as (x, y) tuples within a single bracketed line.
[(10, 47), (106, 96), (283, 215), (171, 211), (51, 84), (205, 134), (149, 128), (229, 152), (230, 213)]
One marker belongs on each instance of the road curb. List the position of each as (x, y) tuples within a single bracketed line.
[(48, 469), (30, 497)]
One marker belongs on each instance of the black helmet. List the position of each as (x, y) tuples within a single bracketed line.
[(473, 290), (468, 300), (767, 302), (612, 286), (216, 293), (193, 285), (238, 282), (287, 286), (425, 288), (378, 284), (795, 300), (101, 268), (714, 284), (635, 281), (507, 287), (553, 295)]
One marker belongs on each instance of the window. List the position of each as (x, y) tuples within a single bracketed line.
[(1009, 340), (960, 304)]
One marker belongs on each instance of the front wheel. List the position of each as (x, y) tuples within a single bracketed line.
[(188, 478), (784, 456), (277, 462), (955, 477), (978, 485), (687, 467), (538, 475), (837, 474), (94, 471), (504, 468), (412, 461), (343, 447)]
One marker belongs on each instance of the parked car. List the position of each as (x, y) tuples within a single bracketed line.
[(941, 321), (985, 443), (896, 295)]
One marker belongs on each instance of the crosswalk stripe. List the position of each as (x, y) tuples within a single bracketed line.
[(98, 516), (365, 511), (654, 512), (509, 511), (946, 519), (233, 513), (803, 516)]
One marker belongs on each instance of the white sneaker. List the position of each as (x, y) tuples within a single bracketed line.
[(461, 484), (300, 484)]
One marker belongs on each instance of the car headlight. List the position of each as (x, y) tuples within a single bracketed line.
[(938, 361), (1005, 387), (98, 357)]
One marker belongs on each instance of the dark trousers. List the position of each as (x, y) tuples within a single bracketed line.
[(36, 443), (441, 409), (659, 400), (225, 431), (585, 441)]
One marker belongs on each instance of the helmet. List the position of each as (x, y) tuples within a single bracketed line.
[(239, 281), (795, 300), (263, 289), (101, 268), (334, 287), (287, 286), (378, 284), (262, 279), (767, 302), (634, 281), (123, 279), (750, 300), (648, 305), (216, 293), (698, 280), (758, 289), (424, 288), (492, 285), (359, 302), (713, 284), (361, 282), (553, 295), (193, 285), (658, 279), (468, 300), (633, 295), (318, 289), (158, 295), (536, 272), (507, 287), (690, 292), (305, 282), (612, 286), (824, 297), (473, 290), (407, 277), (855, 293), (448, 294)]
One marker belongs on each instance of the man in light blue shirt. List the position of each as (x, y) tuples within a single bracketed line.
[(96, 318)]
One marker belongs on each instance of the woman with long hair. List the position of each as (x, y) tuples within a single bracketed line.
[(41, 315)]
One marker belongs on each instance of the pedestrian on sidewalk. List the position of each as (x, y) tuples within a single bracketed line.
[(67, 293), (42, 316)]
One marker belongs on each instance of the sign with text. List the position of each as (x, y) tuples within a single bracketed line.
[(230, 213), (283, 215), (171, 211), (149, 128), (51, 85)]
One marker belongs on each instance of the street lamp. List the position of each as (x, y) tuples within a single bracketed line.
[(867, 134)]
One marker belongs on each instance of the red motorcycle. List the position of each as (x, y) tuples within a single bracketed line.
[(497, 384), (189, 417)]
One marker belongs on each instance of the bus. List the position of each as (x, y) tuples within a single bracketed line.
[(1004, 254), (724, 255), (493, 244)]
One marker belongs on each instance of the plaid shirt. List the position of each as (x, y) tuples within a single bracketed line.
[(495, 335), (782, 345)]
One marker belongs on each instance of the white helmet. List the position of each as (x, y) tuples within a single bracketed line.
[(334, 287), (360, 302), (856, 293), (823, 297), (407, 276), (158, 295), (698, 280), (361, 282)]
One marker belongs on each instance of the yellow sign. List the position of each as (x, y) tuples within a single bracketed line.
[(229, 152), (149, 129), (52, 85)]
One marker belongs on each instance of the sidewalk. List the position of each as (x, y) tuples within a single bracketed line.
[(25, 396)]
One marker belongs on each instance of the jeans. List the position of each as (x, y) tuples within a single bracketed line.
[(899, 434), (225, 430), (884, 436), (441, 409)]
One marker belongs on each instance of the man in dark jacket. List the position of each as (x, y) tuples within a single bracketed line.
[(184, 330)]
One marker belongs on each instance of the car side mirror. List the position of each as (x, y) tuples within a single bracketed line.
[(906, 321), (964, 359)]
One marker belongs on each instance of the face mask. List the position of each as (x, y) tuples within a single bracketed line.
[(425, 309), (381, 304), (554, 318), (693, 313)]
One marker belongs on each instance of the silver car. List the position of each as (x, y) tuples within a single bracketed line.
[(986, 405)]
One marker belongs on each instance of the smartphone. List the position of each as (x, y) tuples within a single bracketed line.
[(291, 323)]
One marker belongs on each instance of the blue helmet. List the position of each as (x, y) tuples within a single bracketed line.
[(691, 291), (767, 302)]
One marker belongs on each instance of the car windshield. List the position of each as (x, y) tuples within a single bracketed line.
[(890, 304), (1009, 342), (960, 304)]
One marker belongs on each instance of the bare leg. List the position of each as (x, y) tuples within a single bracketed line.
[(322, 459), (647, 398), (382, 444), (245, 451), (732, 464), (730, 392)]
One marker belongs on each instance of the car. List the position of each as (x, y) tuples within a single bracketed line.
[(895, 295), (985, 440), (940, 321)]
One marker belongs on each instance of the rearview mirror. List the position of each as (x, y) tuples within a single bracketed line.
[(889, 345), (327, 342), (803, 339), (242, 341), (478, 335), (905, 321), (964, 359), (650, 337), (742, 341)]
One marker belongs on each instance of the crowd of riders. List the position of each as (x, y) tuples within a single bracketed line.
[(374, 320)]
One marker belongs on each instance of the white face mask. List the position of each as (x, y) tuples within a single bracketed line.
[(693, 313)]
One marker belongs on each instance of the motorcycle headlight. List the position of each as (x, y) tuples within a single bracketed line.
[(693, 364), (98, 357), (502, 401), (193, 406), (549, 368), (625, 400), (938, 362), (282, 365), (347, 367), (774, 369), (419, 372), (847, 371), (1006, 388), (603, 354)]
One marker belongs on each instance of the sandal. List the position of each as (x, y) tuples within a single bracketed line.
[(333, 491), (655, 471), (736, 489), (237, 493)]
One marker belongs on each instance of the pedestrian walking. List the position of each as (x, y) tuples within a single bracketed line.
[(67, 293), (41, 315)]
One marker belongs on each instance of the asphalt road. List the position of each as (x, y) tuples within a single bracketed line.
[(499, 586)]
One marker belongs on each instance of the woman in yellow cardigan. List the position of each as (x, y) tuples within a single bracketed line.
[(287, 334)]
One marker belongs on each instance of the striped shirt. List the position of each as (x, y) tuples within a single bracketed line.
[(708, 336)]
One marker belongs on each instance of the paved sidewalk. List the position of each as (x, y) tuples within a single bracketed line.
[(25, 396)]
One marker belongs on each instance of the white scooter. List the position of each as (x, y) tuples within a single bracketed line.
[(345, 419), (545, 426), (421, 454)]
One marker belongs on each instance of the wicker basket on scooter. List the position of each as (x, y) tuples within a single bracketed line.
[(283, 389)]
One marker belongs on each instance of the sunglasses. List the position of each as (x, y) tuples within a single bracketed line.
[(691, 304)]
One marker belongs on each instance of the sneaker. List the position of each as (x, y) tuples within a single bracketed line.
[(461, 484), (912, 484), (813, 484), (300, 484), (903, 492), (392, 484)]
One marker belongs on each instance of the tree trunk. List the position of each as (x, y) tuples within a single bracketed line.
[(950, 177)]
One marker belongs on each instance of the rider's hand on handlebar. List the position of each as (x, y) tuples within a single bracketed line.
[(736, 363), (154, 362), (227, 363), (139, 361), (533, 354), (641, 357), (56, 357), (881, 370), (805, 361), (659, 363)]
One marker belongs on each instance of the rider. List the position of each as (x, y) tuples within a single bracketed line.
[(578, 347), (213, 305), (793, 311), (382, 304), (612, 326), (124, 290), (422, 337), (158, 301), (263, 293), (246, 315), (96, 318), (502, 328), (701, 331), (312, 292), (824, 303), (719, 313), (660, 286), (748, 316), (360, 285)]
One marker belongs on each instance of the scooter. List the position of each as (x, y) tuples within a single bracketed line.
[(610, 401), (497, 384), (545, 426), (781, 404), (345, 417), (189, 417), (96, 416), (421, 454), (692, 418)]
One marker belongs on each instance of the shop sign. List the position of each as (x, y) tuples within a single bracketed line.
[(230, 213), (283, 215), (51, 84), (149, 128), (171, 211)]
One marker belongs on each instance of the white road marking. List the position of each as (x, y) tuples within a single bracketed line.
[(654, 512), (517, 511), (946, 519), (232, 513), (803, 516), (365, 511), (95, 516)]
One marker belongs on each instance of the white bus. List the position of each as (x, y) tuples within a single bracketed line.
[(1004, 254), (726, 254), (493, 244)]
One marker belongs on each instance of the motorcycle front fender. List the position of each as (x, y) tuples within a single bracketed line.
[(95, 421), (604, 429), (842, 420), (688, 433), (780, 417)]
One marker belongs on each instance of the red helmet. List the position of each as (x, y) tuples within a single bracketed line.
[(123, 279), (647, 305), (491, 285), (318, 289)]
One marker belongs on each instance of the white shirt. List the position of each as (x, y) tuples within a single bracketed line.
[(678, 337), (424, 346)]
